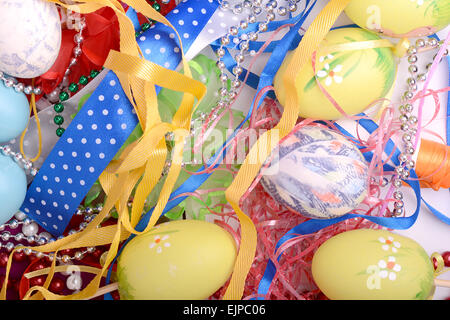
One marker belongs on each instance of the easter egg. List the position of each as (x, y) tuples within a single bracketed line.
[(13, 187), (30, 37), (317, 173), (177, 260), (14, 113), (368, 264), (353, 78), (419, 18)]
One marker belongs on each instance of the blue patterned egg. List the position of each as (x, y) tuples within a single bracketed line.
[(317, 173)]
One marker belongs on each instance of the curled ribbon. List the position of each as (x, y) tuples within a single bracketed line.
[(141, 159), (433, 164)]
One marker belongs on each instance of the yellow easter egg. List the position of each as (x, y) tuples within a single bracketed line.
[(178, 260), (353, 78), (400, 18), (370, 264)]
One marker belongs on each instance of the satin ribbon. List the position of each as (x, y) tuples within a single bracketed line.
[(313, 36), (253, 79), (33, 109), (315, 225), (106, 131), (195, 181), (100, 35)]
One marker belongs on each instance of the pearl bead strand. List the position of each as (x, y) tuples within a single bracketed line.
[(408, 122), (19, 159), (255, 8)]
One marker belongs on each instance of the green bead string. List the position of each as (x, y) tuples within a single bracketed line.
[(84, 80)]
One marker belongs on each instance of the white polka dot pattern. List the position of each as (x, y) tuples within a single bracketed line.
[(160, 44), (80, 156)]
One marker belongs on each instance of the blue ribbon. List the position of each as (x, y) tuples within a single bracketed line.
[(102, 126), (315, 225)]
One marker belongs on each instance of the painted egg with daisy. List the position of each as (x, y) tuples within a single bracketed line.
[(355, 79), (368, 264), (177, 260), (419, 18)]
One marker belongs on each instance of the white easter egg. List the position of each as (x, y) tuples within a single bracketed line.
[(30, 37)]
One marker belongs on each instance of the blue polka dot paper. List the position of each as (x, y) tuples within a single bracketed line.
[(79, 157)]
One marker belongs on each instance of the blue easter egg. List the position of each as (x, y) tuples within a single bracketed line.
[(14, 113), (13, 187), (318, 173)]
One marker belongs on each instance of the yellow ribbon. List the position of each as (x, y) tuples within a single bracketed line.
[(64, 268), (142, 159), (139, 160), (262, 149), (38, 124), (440, 264)]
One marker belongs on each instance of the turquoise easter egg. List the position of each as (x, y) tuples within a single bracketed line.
[(13, 187), (366, 264), (317, 173), (14, 113)]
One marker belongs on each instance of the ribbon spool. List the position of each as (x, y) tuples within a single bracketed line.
[(433, 165)]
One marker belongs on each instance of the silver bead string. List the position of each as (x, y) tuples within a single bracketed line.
[(255, 8), (408, 122), (29, 234), (19, 159)]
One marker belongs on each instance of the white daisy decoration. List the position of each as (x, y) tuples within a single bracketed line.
[(330, 75), (159, 243), (389, 269), (389, 243)]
